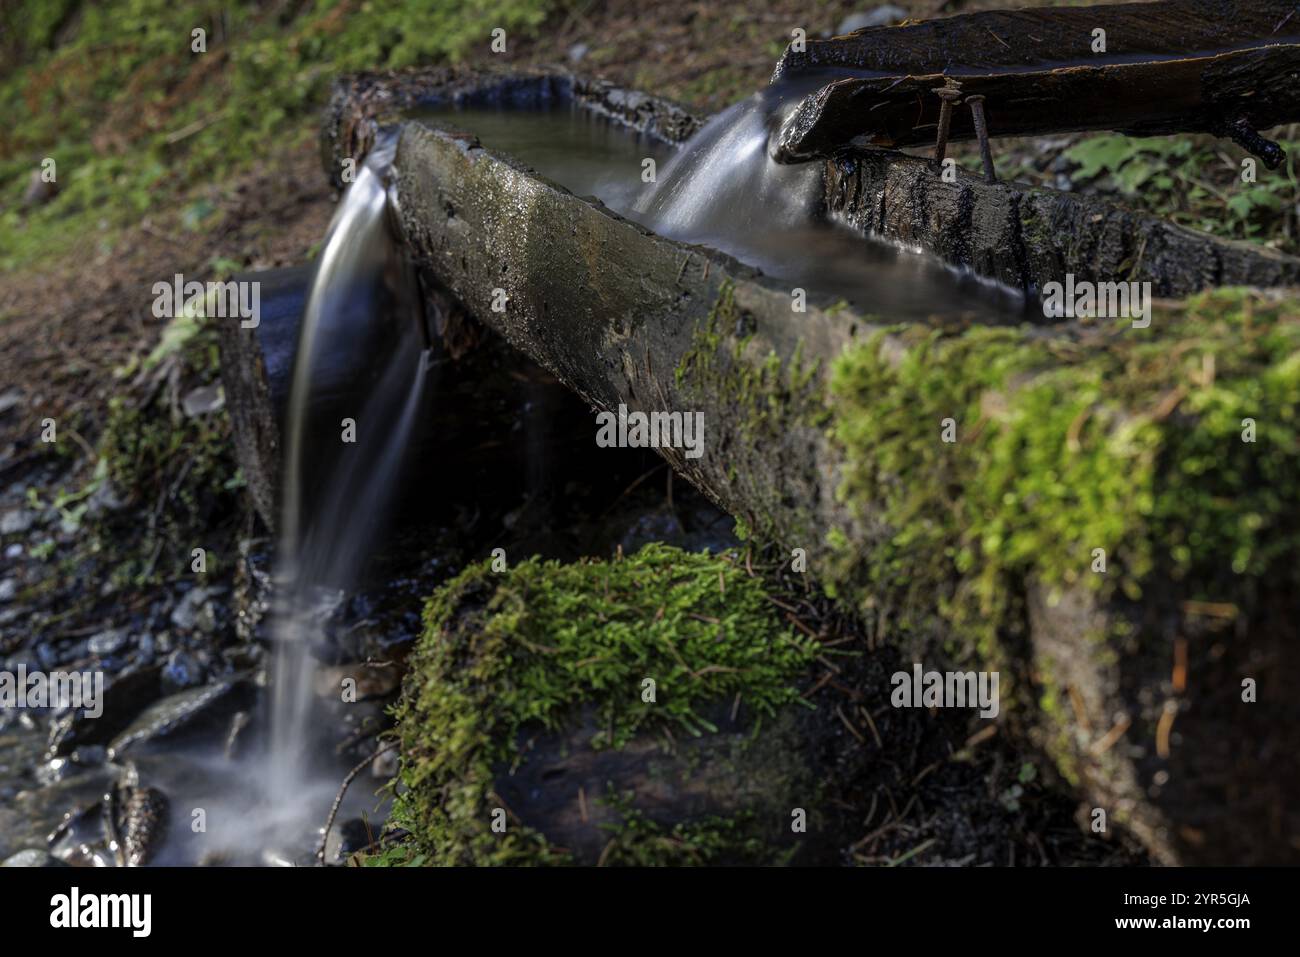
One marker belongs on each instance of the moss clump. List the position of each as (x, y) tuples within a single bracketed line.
[(1126, 440), (531, 647), (638, 841)]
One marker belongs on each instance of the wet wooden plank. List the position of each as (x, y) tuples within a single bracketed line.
[(1227, 68)]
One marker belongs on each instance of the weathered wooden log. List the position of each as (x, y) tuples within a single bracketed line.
[(1228, 68), (1027, 237), (824, 434)]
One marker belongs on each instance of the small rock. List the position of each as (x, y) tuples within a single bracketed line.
[(876, 17), (32, 857), (578, 52), (8, 588), (204, 399), (10, 400), (39, 190), (108, 642), (17, 521), (89, 756), (196, 611), (346, 837), (105, 498), (49, 655), (14, 550), (372, 681), (384, 767), (182, 670)]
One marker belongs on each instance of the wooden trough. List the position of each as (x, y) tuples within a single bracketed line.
[(625, 317)]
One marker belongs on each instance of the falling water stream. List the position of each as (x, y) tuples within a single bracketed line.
[(360, 337)]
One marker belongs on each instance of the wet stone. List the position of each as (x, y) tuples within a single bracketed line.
[(197, 611), (108, 642), (182, 670), (32, 857), (17, 521), (346, 837)]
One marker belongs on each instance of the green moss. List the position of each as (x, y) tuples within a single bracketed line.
[(756, 398), (1128, 440), (639, 841), (536, 645), (128, 110)]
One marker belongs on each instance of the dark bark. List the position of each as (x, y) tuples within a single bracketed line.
[(1169, 67)]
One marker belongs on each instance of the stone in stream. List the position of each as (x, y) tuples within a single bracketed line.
[(32, 857), (196, 610), (183, 669), (16, 521), (206, 708), (124, 697), (347, 837), (108, 642), (144, 816)]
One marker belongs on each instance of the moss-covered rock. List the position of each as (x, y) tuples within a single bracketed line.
[(530, 692)]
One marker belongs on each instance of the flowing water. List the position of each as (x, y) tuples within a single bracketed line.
[(721, 189), (361, 336)]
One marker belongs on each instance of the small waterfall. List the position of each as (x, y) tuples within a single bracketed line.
[(722, 183), (359, 380)]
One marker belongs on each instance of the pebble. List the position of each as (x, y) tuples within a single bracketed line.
[(17, 521), (32, 857), (8, 588), (108, 642), (182, 670), (195, 610), (345, 838), (204, 399)]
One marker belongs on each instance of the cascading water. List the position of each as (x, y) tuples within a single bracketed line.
[(359, 378), (721, 185)]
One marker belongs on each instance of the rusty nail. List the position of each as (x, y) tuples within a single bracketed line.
[(948, 94), (982, 131)]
